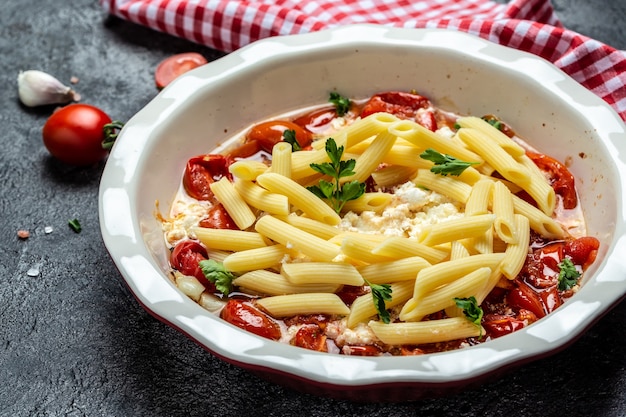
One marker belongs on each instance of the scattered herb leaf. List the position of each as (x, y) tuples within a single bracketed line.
[(342, 104), (75, 225), (218, 275), (445, 164), (335, 192), (380, 294), (289, 136), (471, 309), (568, 274)]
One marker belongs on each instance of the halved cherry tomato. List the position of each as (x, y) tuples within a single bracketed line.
[(243, 315), (311, 337), (583, 250), (497, 325), (185, 258), (218, 218), (268, 134), (403, 105), (244, 150), (561, 179), (349, 293), (74, 134), (175, 65), (522, 296), (202, 171)]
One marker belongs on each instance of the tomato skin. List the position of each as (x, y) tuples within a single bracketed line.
[(268, 134), (171, 67), (403, 105), (367, 350), (522, 296), (311, 337), (218, 218), (497, 325), (583, 250), (243, 315), (74, 134), (201, 171), (561, 179), (185, 258)]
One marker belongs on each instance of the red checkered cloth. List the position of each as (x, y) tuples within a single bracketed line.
[(528, 25)]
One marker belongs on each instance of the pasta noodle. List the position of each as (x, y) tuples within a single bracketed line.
[(431, 331), (271, 283), (322, 273), (234, 204), (310, 303), (229, 240)]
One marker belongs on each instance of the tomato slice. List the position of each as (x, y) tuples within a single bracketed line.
[(522, 296), (202, 171), (218, 218), (171, 67), (497, 325), (268, 134), (185, 258), (367, 350), (583, 250), (403, 105), (245, 316), (561, 179), (311, 337)]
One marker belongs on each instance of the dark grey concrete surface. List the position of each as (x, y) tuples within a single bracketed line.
[(74, 342)]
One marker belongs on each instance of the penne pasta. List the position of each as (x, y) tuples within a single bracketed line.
[(538, 220), (441, 298), (479, 198), (363, 307), (372, 157), (405, 269), (493, 134), (311, 303), (456, 229), (399, 247), (391, 175), (234, 204), (376, 202), (516, 253), (281, 159), (293, 238), (271, 283), (261, 199), (259, 258), (300, 197), (322, 273), (431, 331), (247, 169), (229, 240), (502, 206), (450, 187), (314, 227)]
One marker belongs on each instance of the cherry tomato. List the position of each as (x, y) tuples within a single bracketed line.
[(175, 65), (349, 293), (403, 105), (244, 150), (218, 218), (522, 296), (249, 318), (311, 337), (74, 134), (583, 250), (202, 171), (185, 258), (497, 325), (268, 134), (317, 121), (561, 179)]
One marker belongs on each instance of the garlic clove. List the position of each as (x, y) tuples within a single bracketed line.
[(37, 88)]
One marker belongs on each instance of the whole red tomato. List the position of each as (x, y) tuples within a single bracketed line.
[(74, 134)]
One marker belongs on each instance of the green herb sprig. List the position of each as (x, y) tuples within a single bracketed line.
[(218, 275), (445, 164), (342, 104), (568, 274), (473, 312), (289, 136), (380, 294), (335, 192)]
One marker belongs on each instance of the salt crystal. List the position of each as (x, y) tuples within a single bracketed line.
[(32, 272), (47, 230)]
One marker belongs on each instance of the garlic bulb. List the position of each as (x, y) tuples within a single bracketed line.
[(37, 88)]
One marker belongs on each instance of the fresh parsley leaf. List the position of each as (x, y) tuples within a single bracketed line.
[(568, 274), (471, 309), (218, 275), (493, 122), (342, 104), (289, 136), (335, 192), (380, 294), (445, 164), (75, 225)]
